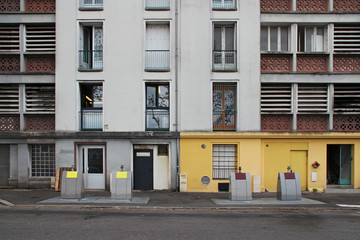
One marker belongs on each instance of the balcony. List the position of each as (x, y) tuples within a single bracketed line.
[(224, 5), (157, 60), (157, 5), (224, 60), (157, 119), (90, 60), (91, 120), (91, 5)]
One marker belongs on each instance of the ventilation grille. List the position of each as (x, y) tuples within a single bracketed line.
[(40, 98), (40, 38), (346, 38), (347, 98), (312, 98), (9, 38), (276, 98), (9, 98)]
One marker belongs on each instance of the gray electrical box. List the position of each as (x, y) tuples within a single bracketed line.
[(72, 184), (240, 187), (288, 186), (121, 185)]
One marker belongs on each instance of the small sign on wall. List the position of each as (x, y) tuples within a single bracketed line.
[(143, 154), (314, 176)]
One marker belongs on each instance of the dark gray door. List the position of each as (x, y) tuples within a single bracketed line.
[(143, 169), (4, 165)]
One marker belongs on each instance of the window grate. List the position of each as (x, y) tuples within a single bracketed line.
[(224, 160), (40, 98), (9, 98), (347, 98), (346, 38), (40, 38), (43, 160), (312, 98), (276, 98), (9, 39)]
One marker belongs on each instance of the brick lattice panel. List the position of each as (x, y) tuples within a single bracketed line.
[(276, 123), (346, 123), (44, 63), (9, 5), (40, 5), (346, 5), (9, 123), (9, 63), (312, 123), (40, 123), (312, 5), (346, 63), (275, 63), (312, 63), (275, 5)]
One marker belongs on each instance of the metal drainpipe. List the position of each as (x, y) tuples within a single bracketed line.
[(177, 95)]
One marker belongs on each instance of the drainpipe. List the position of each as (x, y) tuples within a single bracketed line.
[(177, 94)]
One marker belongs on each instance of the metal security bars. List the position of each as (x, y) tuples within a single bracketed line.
[(91, 4), (43, 160), (224, 4), (224, 60), (157, 119), (224, 160), (157, 4), (157, 60), (224, 106)]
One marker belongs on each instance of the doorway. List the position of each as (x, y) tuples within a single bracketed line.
[(93, 166), (339, 159), (143, 169)]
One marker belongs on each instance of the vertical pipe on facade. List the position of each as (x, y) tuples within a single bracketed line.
[(177, 95)]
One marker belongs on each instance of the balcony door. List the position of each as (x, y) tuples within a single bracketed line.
[(224, 51), (157, 47)]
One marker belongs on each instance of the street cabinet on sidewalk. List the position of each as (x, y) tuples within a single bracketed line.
[(288, 186), (72, 185), (240, 187), (121, 185)]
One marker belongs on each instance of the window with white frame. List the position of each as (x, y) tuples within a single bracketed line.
[(224, 106), (91, 4), (43, 160), (91, 47), (91, 112), (157, 106), (224, 4), (275, 38), (224, 160), (311, 39), (157, 4), (224, 47)]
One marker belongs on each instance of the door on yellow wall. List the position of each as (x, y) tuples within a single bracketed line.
[(298, 163)]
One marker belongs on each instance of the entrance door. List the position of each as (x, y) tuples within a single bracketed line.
[(143, 169), (339, 164), (298, 163), (4, 165), (93, 162)]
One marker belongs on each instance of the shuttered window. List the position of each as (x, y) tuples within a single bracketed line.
[(347, 98), (312, 98), (276, 98), (40, 98), (346, 38), (9, 98), (40, 38), (9, 38)]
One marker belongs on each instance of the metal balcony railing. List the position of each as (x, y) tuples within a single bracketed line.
[(224, 60), (157, 5), (224, 4), (157, 60), (90, 60), (91, 119), (157, 119), (91, 4)]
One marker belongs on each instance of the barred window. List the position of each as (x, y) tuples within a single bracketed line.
[(224, 160), (43, 160)]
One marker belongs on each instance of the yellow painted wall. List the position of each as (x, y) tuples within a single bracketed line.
[(255, 157)]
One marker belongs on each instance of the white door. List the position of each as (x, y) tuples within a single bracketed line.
[(93, 166)]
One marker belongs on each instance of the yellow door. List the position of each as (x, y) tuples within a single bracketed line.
[(298, 163)]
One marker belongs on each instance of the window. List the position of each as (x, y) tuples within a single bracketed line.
[(346, 98), (224, 160), (224, 4), (276, 98), (157, 4), (224, 106), (91, 48), (346, 38), (9, 98), (224, 53), (40, 38), (91, 4), (274, 39), (157, 106), (40, 98), (157, 55), (311, 39), (43, 160), (91, 117)]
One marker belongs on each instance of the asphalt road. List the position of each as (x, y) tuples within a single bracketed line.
[(155, 224)]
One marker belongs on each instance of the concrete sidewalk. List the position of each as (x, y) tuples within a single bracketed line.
[(26, 198)]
